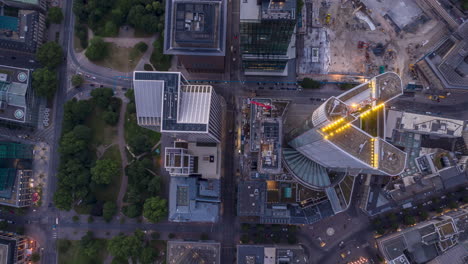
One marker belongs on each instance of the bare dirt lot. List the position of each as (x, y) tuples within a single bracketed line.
[(402, 31)]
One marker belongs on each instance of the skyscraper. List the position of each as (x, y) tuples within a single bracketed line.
[(196, 33), (266, 35), (167, 103), (346, 134)]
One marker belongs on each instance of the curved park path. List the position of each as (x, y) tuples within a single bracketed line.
[(123, 154)]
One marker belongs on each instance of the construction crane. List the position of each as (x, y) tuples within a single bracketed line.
[(260, 104)]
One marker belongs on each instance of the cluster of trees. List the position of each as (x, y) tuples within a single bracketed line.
[(98, 49), (104, 99), (134, 247), (105, 17), (391, 221), (75, 156), (78, 172), (160, 61), (77, 80), (308, 83), (347, 86), (55, 15), (45, 81), (143, 188)]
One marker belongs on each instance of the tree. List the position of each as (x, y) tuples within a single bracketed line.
[(102, 96), (409, 220), (89, 245), (75, 112), (111, 118), (118, 17), (44, 82), (109, 210), (77, 80), (308, 83), (35, 257), (75, 218), (114, 104), (110, 29), (97, 49), (104, 171), (132, 211), (63, 245), (50, 55), (141, 46), (423, 215), (138, 175), (148, 67), (139, 144), (82, 132), (155, 209), (125, 247), (154, 186), (70, 144), (452, 204), (63, 199), (55, 15), (148, 255)]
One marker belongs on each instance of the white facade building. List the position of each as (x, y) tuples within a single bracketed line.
[(166, 103)]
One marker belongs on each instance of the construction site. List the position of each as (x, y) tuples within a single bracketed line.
[(350, 40)]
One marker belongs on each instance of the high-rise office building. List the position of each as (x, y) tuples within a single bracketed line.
[(196, 33), (267, 36), (346, 134), (167, 103)]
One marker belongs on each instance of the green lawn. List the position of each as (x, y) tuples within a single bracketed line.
[(111, 191), (74, 255), (132, 129), (103, 134), (120, 58)]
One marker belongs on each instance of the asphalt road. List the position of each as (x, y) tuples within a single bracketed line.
[(227, 229)]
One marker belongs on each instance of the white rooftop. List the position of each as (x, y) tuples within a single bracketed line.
[(148, 100), (249, 10), (195, 102)]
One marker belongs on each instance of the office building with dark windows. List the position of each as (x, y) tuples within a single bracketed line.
[(267, 36), (196, 33), (15, 174)]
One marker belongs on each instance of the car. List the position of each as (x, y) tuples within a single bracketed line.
[(271, 88), (91, 84), (101, 85), (94, 78), (323, 99), (261, 88), (428, 113), (10, 222), (312, 99), (282, 88)]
